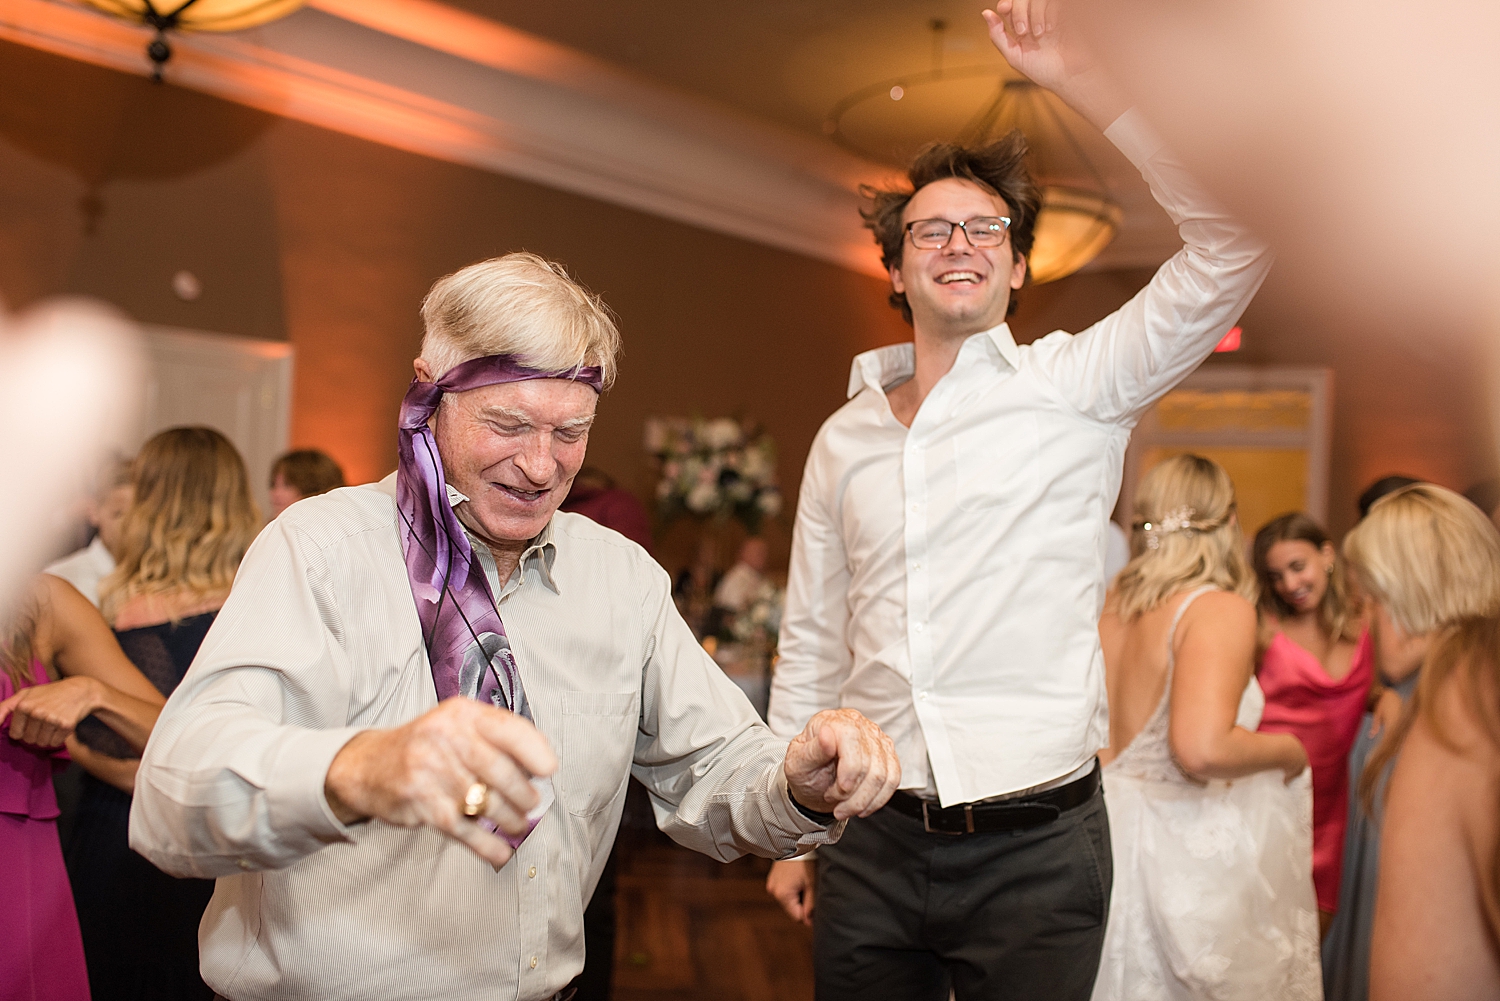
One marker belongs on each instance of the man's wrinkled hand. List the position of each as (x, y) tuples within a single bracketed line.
[(418, 774), (843, 764)]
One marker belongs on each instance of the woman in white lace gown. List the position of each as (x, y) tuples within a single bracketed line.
[(1211, 821)]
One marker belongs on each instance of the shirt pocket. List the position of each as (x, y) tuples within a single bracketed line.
[(598, 745), (997, 464)]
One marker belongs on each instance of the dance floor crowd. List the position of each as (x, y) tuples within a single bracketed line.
[(379, 745), (1261, 696)]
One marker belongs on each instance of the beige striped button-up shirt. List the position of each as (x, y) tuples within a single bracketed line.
[(320, 640)]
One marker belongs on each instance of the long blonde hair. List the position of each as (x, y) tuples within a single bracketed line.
[(1429, 556), (190, 523), (1185, 535)]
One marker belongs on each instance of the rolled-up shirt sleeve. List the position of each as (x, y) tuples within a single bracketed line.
[(232, 779), (714, 770)]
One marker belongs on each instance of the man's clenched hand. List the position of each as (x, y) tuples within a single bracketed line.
[(417, 774), (843, 764)]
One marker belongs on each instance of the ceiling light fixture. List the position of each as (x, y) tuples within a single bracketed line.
[(1079, 216), (191, 15)]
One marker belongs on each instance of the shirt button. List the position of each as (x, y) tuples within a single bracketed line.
[(922, 696), (918, 627), (533, 962), (243, 864), (916, 566), (531, 873)]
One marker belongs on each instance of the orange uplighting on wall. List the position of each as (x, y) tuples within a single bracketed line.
[(1231, 341)]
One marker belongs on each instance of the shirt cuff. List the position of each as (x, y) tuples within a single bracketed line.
[(1134, 136), (294, 796), (816, 816), (810, 833)]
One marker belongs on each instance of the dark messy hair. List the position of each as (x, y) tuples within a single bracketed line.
[(998, 167)]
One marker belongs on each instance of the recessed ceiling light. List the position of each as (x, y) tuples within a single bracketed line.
[(897, 93)]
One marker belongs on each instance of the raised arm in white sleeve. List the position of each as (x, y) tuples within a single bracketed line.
[(233, 776), (1114, 370), (815, 657)]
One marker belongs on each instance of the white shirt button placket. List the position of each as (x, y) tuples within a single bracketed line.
[(918, 590)]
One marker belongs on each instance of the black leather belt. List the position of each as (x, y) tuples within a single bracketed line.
[(1007, 815)]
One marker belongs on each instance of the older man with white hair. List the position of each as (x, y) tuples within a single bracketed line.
[(403, 796)]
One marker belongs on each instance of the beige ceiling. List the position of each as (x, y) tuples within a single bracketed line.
[(793, 61), (786, 60)]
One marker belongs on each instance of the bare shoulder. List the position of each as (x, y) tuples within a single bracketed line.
[(1460, 741), (1220, 611), (60, 609)]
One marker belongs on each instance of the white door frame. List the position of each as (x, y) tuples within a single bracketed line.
[(1317, 438), (256, 418)]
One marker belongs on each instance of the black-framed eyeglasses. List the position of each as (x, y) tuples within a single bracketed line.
[(981, 231)]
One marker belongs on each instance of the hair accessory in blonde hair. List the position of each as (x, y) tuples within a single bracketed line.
[(1177, 520)]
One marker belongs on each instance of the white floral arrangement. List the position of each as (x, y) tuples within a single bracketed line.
[(761, 619), (720, 468)]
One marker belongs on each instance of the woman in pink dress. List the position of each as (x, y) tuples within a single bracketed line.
[(1316, 671), (59, 663)]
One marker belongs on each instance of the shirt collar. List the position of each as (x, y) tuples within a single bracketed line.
[(540, 553), (893, 363)]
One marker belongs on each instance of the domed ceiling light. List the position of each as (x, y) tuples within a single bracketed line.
[(1078, 217), (191, 15)]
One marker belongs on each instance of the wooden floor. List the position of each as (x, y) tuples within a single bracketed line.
[(692, 928)]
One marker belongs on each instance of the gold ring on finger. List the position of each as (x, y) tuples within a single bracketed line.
[(475, 799)]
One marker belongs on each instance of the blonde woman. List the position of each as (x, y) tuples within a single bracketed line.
[(190, 522), (1427, 560), (1211, 822)]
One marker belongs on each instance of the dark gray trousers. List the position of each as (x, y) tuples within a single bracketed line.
[(901, 913)]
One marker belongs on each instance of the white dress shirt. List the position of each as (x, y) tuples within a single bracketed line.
[(946, 579), (320, 639), (85, 568), (1116, 550)]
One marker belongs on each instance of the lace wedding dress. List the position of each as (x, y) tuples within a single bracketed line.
[(1213, 892)]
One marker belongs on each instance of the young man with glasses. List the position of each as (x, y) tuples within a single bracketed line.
[(947, 573)]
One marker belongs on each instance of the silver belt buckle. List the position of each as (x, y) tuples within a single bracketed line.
[(968, 821)]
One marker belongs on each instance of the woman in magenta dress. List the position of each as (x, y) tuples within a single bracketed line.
[(59, 663), (1316, 671)]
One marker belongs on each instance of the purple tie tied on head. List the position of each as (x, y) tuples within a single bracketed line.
[(461, 628)]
